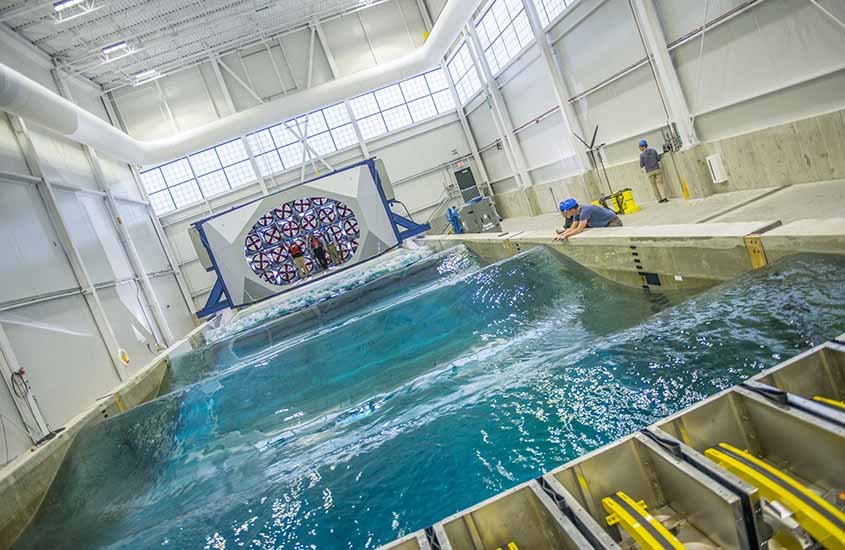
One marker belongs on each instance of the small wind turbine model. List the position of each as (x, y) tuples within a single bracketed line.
[(596, 151)]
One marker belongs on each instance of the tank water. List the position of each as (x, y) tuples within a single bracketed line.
[(425, 400)]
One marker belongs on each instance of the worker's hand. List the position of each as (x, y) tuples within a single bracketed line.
[(561, 237)]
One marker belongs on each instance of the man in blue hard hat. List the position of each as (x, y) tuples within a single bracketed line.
[(585, 217), (650, 163)]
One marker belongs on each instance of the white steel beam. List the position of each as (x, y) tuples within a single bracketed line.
[(216, 63), (48, 196), (567, 111), (160, 328), (462, 116), (114, 114), (500, 111), (276, 68), (168, 113), (335, 74), (309, 81), (651, 31)]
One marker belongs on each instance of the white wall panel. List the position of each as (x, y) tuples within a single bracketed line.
[(435, 7), (416, 24), (185, 94), (297, 46), (764, 48), (65, 360), (183, 248), (240, 96), (387, 32), (94, 236), (131, 323), (14, 440), (62, 160), (88, 97), (625, 108), (13, 54), (119, 178), (600, 46), (140, 227), (218, 100), (809, 99), (198, 278), (497, 164), (483, 127), (681, 16), (545, 142), (173, 304), (31, 259), (423, 151), (264, 79), (423, 192), (348, 45), (141, 111), (530, 93), (11, 159)]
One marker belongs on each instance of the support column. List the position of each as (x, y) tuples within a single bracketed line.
[(117, 120), (215, 65), (83, 279), (562, 95), (501, 110), (168, 114), (365, 151), (160, 328), (462, 116), (648, 22)]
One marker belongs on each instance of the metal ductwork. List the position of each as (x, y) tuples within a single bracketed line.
[(27, 99)]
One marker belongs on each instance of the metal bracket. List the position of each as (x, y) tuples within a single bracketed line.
[(756, 252), (217, 300), (411, 228)]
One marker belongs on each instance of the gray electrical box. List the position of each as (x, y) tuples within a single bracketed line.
[(479, 216)]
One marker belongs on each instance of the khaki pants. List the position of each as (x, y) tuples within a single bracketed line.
[(299, 261), (335, 257), (655, 178)]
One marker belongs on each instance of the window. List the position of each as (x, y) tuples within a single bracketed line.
[(549, 9), (464, 74), (227, 166), (503, 31), (399, 105)]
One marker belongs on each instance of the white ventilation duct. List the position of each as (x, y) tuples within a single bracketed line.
[(23, 97)]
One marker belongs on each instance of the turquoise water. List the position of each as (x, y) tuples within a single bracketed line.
[(382, 422)]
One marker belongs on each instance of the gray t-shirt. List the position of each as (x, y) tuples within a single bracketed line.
[(650, 160), (595, 216)]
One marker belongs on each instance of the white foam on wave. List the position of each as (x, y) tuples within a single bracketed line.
[(328, 287)]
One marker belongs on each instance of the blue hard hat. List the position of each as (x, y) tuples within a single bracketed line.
[(568, 204), (643, 143)]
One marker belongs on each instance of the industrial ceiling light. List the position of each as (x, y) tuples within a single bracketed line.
[(114, 48), (145, 76), (65, 10), (66, 4)]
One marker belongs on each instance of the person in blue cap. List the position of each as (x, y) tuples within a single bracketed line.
[(650, 163), (454, 218), (585, 217)]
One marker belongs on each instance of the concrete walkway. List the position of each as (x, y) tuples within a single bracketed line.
[(788, 204)]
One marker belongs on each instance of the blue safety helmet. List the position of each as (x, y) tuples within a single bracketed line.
[(643, 143), (568, 204)]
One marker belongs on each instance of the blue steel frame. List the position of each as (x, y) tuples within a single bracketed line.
[(220, 299)]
